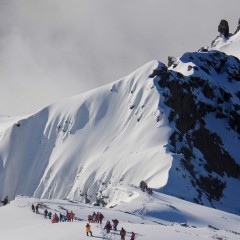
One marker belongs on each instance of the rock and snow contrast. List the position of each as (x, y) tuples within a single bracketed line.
[(176, 127)]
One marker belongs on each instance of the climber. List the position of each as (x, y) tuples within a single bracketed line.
[(71, 216), (115, 223), (49, 215), (108, 226), (123, 234), (33, 208), (88, 229), (45, 213), (133, 236)]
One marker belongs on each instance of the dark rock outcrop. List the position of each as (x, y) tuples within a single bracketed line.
[(238, 27), (223, 28), (193, 98)]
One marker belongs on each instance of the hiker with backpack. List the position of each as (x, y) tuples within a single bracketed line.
[(115, 223), (68, 216), (133, 236), (55, 218), (37, 207), (49, 215), (89, 216), (71, 216), (123, 233), (108, 227), (100, 218), (88, 229), (45, 213), (33, 208)]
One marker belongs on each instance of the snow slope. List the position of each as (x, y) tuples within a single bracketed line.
[(150, 216), (229, 45), (89, 143)]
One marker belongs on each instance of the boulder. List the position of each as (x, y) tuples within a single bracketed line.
[(223, 28)]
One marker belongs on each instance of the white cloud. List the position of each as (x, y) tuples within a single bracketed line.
[(54, 49)]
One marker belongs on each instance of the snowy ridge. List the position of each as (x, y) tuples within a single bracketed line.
[(229, 45)]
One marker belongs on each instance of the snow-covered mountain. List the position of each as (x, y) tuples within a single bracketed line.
[(176, 127)]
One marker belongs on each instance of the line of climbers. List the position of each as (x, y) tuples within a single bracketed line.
[(108, 227), (69, 217), (94, 218)]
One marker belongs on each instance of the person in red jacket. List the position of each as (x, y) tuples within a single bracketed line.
[(68, 216), (55, 218), (123, 234), (133, 236), (100, 218), (71, 215)]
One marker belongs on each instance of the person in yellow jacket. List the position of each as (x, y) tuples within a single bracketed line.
[(88, 229)]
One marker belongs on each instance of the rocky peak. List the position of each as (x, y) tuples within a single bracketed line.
[(211, 89), (223, 28)]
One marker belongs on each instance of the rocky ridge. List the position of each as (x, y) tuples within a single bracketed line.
[(212, 88)]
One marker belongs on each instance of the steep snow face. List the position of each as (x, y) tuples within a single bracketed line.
[(229, 45), (89, 144)]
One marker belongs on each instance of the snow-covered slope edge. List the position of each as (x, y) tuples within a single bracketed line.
[(229, 45), (114, 135), (148, 217)]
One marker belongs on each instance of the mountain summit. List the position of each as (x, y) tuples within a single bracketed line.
[(177, 128)]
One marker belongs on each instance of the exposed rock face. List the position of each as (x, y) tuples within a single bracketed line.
[(171, 61), (238, 27), (223, 28), (192, 100)]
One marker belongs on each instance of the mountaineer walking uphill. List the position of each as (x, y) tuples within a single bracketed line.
[(88, 229)]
